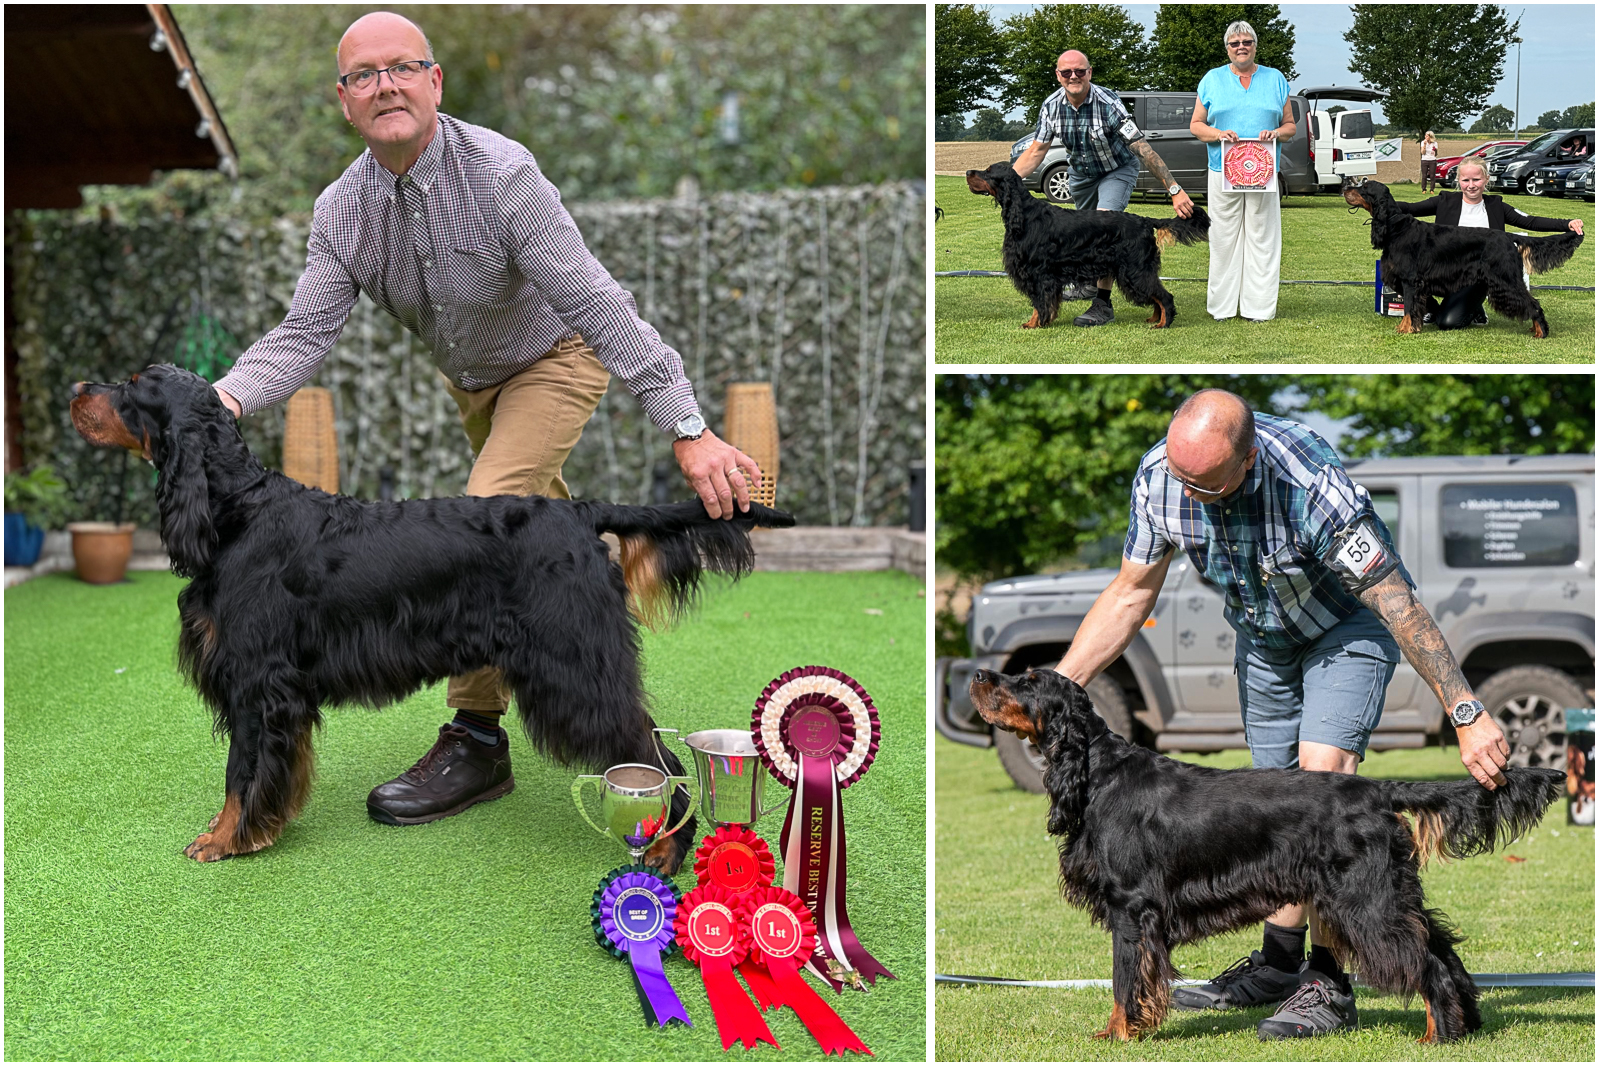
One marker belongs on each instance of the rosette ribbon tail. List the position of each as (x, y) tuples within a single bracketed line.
[(737, 1018), (656, 995), (814, 869), (761, 985), (831, 1032)]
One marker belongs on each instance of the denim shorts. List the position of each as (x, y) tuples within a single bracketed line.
[(1109, 192), (1329, 690)]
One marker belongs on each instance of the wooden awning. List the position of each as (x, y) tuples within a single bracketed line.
[(102, 94)]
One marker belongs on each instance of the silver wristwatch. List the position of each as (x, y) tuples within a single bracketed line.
[(1466, 712), (690, 428), (1174, 189)]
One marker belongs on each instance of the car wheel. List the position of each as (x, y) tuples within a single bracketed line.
[(1529, 703), (1055, 185), (1025, 763)]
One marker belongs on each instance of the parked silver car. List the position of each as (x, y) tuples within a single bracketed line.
[(1503, 552)]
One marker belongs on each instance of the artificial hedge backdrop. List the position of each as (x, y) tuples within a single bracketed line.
[(819, 292)]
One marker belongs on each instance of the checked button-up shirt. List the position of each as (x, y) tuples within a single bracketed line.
[(1088, 132), (472, 250), (1263, 545)]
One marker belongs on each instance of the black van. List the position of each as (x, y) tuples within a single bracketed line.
[(1510, 173)]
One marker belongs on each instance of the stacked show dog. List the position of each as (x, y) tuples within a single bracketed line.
[(1163, 853), (1423, 260), (1047, 248), (301, 598)]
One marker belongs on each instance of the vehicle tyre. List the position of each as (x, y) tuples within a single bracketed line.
[(1025, 763), (1528, 703), (1055, 185)]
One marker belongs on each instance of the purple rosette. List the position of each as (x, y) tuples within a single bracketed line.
[(632, 913)]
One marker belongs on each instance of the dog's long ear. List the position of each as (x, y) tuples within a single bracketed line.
[(1068, 727), (184, 497)]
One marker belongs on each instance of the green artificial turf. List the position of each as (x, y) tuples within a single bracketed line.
[(978, 320), (468, 938), (999, 913)]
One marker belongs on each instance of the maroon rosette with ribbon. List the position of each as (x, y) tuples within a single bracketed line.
[(708, 932), (817, 732), (735, 859), (783, 936)]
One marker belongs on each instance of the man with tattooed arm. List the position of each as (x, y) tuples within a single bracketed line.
[(1105, 148), (1323, 608)]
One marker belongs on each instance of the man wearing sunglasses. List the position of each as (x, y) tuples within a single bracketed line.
[(1321, 607), (1105, 148), (453, 230)]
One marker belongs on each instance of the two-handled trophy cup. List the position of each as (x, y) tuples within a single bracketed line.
[(635, 804)]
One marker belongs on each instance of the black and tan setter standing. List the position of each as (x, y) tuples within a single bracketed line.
[(1423, 260), (1163, 853), (1047, 247), (301, 599)]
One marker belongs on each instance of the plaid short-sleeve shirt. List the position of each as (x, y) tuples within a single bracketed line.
[(1088, 132), (1262, 546)]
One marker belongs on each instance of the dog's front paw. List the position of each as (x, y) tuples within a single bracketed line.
[(667, 854), (208, 847)]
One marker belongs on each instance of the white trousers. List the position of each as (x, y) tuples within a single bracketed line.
[(1246, 249)]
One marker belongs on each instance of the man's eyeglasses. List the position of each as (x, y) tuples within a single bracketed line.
[(1074, 72), (1241, 44), (1200, 490), (362, 82)]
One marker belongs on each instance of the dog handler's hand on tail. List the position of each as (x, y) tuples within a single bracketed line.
[(718, 473), (1484, 751), (1183, 205)]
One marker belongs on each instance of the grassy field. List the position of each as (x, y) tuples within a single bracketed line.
[(464, 939), (978, 320), (999, 913)]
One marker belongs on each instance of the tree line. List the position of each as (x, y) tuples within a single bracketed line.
[(1438, 63)]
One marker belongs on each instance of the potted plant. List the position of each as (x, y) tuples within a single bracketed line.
[(34, 502), (101, 550)]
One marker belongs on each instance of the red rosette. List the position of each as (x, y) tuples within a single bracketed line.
[(1248, 165), (734, 859), (709, 933), (858, 731), (782, 935)]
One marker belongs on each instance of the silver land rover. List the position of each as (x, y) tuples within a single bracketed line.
[(1502, 549)]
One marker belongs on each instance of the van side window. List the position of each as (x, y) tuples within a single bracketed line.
[(1316, 125), (1171, 112), (1527, 525), (1386, 502), (1356, 124)]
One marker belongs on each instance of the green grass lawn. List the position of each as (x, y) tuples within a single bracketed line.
[(998, 912), (464, 939), (978, 320)]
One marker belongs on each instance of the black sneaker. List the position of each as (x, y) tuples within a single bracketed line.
[(1086, 291), (1427, 318), (1316, 1008), (1099, 314), (1247, 984), (1481, 319)]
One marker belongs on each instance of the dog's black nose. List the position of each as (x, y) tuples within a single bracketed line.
[(980, 675)]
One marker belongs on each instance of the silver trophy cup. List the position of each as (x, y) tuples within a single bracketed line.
[(635, 804), (731, 776)]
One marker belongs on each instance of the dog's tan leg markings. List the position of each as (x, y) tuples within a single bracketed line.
[(1032, 323), (1116, 1027), (1430, 1036)]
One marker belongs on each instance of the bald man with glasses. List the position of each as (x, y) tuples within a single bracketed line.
[(1322, 608)]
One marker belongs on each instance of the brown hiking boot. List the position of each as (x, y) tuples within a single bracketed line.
[(457, 772)]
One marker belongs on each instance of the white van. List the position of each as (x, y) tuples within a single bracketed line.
[(1345, 141)]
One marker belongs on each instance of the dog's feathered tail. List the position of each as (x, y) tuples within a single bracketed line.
[(1461, 818), (666, 549), (1176, 230), (1540, 254)]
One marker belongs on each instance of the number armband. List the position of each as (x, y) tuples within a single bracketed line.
[(1129, 132), (1359, 557)]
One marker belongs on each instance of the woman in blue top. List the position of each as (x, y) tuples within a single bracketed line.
[(1246, 235)]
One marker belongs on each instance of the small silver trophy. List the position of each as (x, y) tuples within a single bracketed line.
[(731, 776), (635, 804)]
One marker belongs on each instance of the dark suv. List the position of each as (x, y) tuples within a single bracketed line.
[(1511, 172), (1502, 550)]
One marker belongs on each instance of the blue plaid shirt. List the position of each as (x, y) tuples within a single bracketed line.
[(1088, 132), (1263, 545)]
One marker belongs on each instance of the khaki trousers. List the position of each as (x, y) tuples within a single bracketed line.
[(522, 431)]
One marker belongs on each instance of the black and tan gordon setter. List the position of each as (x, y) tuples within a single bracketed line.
[(1423, 260), (1163, 853), (1047, 247), (300, 598)]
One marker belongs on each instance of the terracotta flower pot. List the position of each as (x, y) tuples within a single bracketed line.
[(101, 550)]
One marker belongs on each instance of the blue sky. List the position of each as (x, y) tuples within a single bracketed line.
[(1558, 52)]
